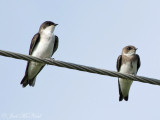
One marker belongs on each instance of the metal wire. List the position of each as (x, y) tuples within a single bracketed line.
[(80, 67)]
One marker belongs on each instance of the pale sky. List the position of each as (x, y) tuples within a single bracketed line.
[(90, 33)]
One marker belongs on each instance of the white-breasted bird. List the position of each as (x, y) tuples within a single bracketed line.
[(128, 62), (43, 45)]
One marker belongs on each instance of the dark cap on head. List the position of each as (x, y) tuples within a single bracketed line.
[(128, 48), (46, 24)]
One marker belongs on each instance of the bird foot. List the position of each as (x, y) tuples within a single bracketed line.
[(51, 59), (133, 74)]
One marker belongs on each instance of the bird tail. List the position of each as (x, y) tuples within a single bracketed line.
[(126, 98), (25, 81), (32, 82), (121, 97)]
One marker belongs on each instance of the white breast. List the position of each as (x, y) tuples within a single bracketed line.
[(128, 68), (44, 48)]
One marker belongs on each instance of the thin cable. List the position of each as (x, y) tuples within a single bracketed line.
[(80, 67)]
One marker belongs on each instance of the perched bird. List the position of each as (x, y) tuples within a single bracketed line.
[(43, 45), (128, 62)]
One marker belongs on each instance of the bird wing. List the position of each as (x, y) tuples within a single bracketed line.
[(138, 62), (55, 45), (34, 42), (119, 62)]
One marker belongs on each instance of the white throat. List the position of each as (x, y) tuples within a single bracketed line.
[(128, 54), (48, 30)]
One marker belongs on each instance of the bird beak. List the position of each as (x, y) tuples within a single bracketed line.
[(55, 24), (136, 48)]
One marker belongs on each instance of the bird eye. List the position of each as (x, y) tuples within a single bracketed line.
[(129, 48), (49, 24)]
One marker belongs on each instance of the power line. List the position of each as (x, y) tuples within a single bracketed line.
[(80, 67)]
